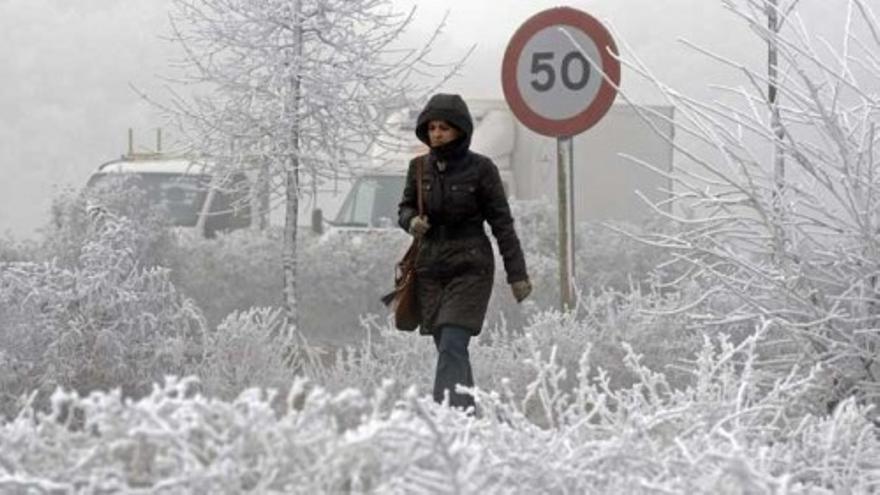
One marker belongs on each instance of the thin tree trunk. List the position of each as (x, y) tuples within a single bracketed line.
[(773, 25), (290, 252), (263, 193), (289, 257)]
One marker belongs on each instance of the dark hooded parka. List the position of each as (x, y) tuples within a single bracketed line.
[(455, 267)]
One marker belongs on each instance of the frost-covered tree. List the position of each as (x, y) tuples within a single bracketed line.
[(803, 255), (296, 90)]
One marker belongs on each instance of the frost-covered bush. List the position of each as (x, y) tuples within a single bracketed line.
[(72, 216), (254, 348), (778, 204), (232, 272), (406, 358), (15, 250), (726, 433), (611, 320), (343, 274), (605, 257), (106, 322), (341, 277)]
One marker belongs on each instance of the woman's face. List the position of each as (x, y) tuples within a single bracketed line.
[(441, 132)]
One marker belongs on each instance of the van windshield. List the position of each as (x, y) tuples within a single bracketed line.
[(182, 196), (372, 202)]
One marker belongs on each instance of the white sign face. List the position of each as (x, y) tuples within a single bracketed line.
[(555, 72), (560, 72)]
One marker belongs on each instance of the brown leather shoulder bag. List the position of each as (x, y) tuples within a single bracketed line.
[(403, 300)]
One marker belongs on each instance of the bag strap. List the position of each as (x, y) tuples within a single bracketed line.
[(420, 172)]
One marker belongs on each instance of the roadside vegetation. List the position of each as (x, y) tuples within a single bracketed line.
[(728, 345)]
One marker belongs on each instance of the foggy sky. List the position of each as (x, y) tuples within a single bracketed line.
[(66, 68)]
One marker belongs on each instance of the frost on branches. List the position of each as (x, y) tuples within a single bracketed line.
[(749, 369), (724, 434), (296, 91), (778, 203), (106, 322)]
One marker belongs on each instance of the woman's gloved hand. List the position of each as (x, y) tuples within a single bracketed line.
[(419, 225), (521, 289)]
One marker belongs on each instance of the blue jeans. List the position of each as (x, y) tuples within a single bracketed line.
[(453, 365)]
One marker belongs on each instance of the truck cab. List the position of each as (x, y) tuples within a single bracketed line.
[(371, 201)]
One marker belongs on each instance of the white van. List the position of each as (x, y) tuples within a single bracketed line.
[(185, 188)]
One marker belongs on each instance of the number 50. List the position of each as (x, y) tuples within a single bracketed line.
[(542, 62)]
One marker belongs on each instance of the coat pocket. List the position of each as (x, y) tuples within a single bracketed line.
[(483, 258), (477, 258), (463, 197)]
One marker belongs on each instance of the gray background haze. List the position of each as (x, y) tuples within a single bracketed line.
[(66, 68)]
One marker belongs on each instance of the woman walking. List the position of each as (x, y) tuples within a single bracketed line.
[(455, 266)]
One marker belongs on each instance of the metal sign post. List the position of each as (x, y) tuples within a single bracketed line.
[(560, 74), (565, 188)]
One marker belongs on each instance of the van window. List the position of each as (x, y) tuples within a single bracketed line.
[(372, 202), (182, 196)]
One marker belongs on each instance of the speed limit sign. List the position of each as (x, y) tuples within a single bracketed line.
[(560, 72)]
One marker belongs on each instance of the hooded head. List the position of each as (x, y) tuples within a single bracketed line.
[(452, 109)]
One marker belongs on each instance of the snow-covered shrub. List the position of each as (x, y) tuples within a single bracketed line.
[(230, 273), (778, 201), (72, 216), (341, 277), (15, 250), (106, 322), (252, 349), (610, 321), (343, 274), (405, 358), (605, 258), (726, 433)]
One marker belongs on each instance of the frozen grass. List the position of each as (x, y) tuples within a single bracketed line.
[(724, 433)]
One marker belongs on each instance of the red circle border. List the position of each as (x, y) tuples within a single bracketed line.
[(610, 66)]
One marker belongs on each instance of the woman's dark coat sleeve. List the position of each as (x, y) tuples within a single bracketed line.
[(408, 206), (496, 211)]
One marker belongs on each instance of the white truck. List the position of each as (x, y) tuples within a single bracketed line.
[(605, 181)]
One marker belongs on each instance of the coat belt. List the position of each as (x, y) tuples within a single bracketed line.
[(451, 232)]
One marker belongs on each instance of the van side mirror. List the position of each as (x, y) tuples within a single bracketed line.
[(317, 221)]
